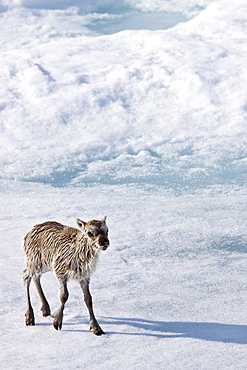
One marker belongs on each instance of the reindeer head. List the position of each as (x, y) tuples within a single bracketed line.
[(97, 231)]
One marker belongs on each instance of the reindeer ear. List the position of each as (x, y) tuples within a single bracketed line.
[(80, 223), (103, 219)]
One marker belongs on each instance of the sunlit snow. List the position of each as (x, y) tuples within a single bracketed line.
[(135, 110)]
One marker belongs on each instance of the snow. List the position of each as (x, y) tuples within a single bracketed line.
[(136, 111)]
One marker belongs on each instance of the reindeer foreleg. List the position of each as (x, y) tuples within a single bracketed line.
[(88, 300)]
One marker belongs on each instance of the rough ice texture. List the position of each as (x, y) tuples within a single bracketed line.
[(148, 127)]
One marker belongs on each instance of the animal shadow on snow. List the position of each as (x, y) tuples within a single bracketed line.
[(215, 332)]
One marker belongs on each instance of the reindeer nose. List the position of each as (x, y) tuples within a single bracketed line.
[(103, 242), (105, 246)]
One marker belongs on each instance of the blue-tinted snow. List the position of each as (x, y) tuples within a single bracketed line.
[(136, 110)]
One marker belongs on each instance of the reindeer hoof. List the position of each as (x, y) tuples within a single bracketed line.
[(57, 322), (30, 323), (30, 318), (57, 326), (97, 330), (45, 310)]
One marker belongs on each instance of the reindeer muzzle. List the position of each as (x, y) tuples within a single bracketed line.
[(103, 242)]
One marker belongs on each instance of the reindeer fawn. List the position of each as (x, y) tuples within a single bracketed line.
[(69, 253)]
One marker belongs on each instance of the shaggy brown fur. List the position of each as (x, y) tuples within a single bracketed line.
[(70, 253)]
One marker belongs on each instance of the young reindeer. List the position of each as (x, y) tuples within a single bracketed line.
[(70, 253)]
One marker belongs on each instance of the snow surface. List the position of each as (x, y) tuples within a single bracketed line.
[(147, 126)]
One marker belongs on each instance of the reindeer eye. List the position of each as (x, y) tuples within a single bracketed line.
[(90, 234)]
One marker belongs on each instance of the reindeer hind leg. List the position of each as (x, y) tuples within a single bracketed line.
[(45, 308), (64, 295), (27, 277)]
